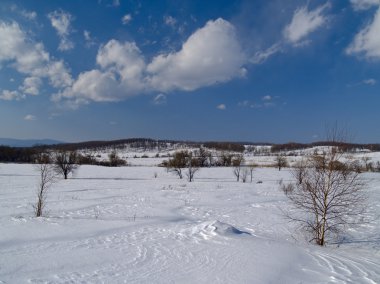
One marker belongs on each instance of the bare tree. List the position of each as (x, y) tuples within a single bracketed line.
[(244, 174), (367, 164), (252, 167), (181, 161), (203, 157), (46, 179), (328, 193), (178, 163), (281, 162), (237, 162), (225, 159), (299, 170), (192, 167), (65, 162)]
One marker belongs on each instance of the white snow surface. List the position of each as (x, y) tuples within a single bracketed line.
[(123, 225)]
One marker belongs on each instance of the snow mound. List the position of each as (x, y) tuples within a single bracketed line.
[(210, 229)]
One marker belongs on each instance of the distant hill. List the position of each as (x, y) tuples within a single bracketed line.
[(27, 142)]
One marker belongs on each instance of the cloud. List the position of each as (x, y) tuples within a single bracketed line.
[(305, 22), (266, 102), (367, 41), (120, 75), (21, 53), (61, 22), (30, 15), (160, 99), (30, 117), (210, 55), (262, 56), (126, 19), (221, 107), (89, 40), (267, 98), (31, 85), (360, 5), (8, 95), (170, 21), (370, 82)]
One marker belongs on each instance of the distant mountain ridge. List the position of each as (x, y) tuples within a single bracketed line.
[(27, 142)]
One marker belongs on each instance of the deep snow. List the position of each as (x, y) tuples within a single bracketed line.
[(122, 225)]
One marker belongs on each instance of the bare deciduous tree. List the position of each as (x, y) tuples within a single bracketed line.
[(65, 162), (183, 160), (203, 157), (329, 191), (367, 164), (244, 174), (178, 163), (192, 167), (46, 179), (252, 167), (237, 162), (281, 162)]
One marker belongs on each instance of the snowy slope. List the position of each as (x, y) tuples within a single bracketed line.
[(122, 225)]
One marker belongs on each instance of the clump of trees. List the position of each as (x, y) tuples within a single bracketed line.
[(183, 161), (225, 146), (115, 160)]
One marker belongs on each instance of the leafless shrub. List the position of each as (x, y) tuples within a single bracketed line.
[(47, 177), (287, 188)]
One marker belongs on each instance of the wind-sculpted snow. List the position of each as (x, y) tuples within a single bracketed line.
[(123, 225)]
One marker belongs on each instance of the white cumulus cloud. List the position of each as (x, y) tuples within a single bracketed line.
[(210, 56), (120, 75), (367, 41), (8, 95), (31, 85), (305, 22), (29, 58), (61, 22)]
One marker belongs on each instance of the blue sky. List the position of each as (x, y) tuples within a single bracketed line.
[(254, 70)]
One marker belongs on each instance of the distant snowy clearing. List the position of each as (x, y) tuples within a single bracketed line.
[(123, 225)]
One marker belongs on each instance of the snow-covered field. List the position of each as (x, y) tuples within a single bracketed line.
[(123, 225)]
